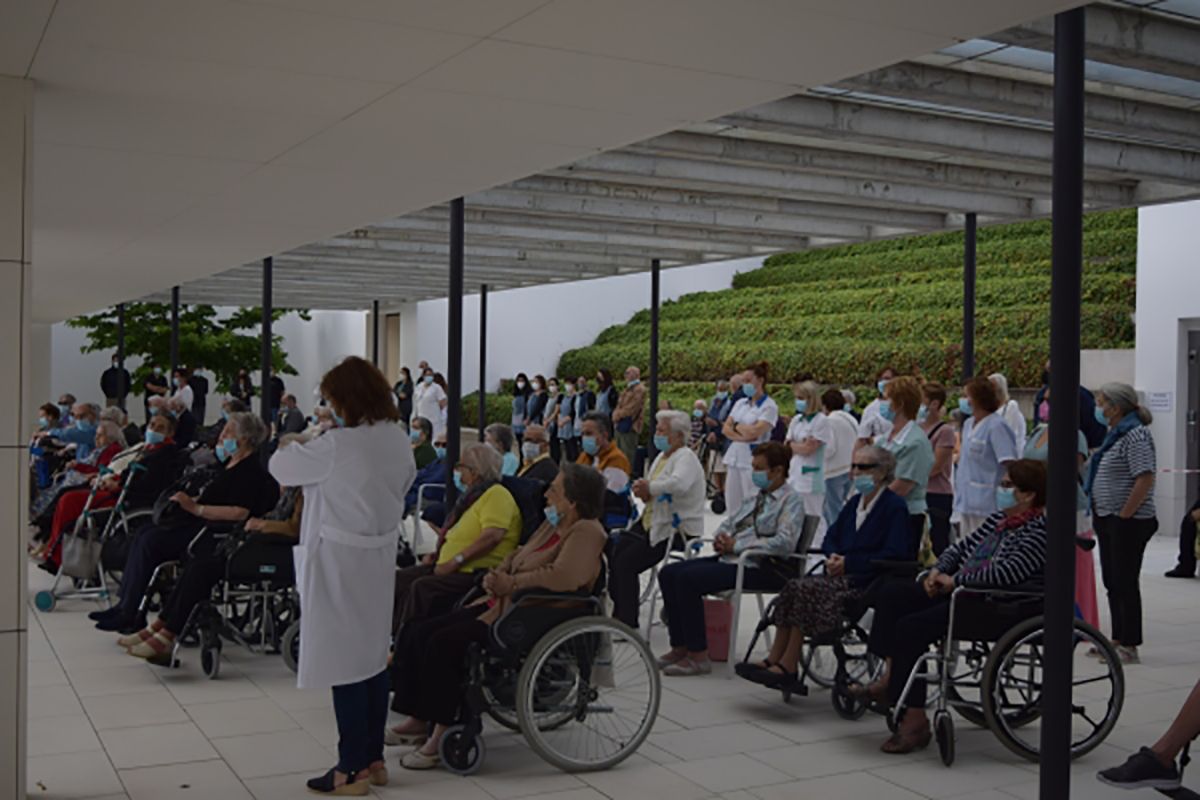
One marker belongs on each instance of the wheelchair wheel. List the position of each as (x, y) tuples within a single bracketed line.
[(846, 704), (289, 646), (45, 601), (210, 653), (588, 694), (718, 504), (820, 663), (943, 732), (1012, 687), (461, 752)]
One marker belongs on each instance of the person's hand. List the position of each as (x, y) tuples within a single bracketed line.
[(641, 489), (712, 438), (501, 584), (185, 502), (928, 583), (939, 584), (835, 565), (253, 524), (446, 568), (72, 464), (723, 544), (427, 559)]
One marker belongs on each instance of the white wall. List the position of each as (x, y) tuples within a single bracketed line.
[(528, 329), (1168, 305)]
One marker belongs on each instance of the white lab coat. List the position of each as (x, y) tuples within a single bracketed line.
[(354, 483)]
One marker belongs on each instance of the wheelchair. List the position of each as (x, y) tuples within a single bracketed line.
[(581, 687)]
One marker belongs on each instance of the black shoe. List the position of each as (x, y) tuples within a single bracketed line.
[(1181, 572), (1142, 770), (108, 613), (117, 624), (325, 785)]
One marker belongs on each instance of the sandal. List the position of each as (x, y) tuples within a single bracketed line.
[(901, 744), (327, 784), (418, 760), (667, 659), (392, 738), (876, 691)]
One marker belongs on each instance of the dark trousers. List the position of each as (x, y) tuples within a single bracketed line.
[(684, 585), (916, 530), (1122, 546), (420, 594), (555, 448), (430, 664), (907, 621), (940, 508), (155, 545), (571, 449), (203, 573), (629, 555), (361, 711), (1187, 540)]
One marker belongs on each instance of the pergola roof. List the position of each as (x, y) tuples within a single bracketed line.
[(906, 149)]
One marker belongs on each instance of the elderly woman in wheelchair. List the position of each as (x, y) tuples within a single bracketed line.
[(872, 527)]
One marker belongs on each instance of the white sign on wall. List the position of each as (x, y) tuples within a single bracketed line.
[(1160, 402)]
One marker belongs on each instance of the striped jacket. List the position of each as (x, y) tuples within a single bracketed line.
[(1020, 555)]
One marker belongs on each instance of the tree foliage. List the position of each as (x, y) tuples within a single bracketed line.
[(221, 345)]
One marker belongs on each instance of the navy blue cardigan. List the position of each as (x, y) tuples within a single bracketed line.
[(885, 535)]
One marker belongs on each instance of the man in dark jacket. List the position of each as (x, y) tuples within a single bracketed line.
[(155, 385), (291, 418), (199, 385), (115, 383)]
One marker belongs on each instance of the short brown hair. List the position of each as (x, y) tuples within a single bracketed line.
[(982, 394), (833, 400), (1029, 475), (761, 369), (358, 389), (50, 410), (935, 391), (777, 454), (905, 395), (584, 487)]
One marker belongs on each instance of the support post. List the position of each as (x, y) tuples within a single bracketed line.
[(1065, 281), (454, 345), (969, 239), (655, 282), (268, 311), (174, 331), (483, 331), (375, 332), (121, 355)]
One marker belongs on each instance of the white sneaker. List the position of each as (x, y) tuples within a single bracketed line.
[(393, 739), (418, 760)]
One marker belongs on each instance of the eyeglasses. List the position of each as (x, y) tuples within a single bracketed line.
[(865, 467), (1007, 484)]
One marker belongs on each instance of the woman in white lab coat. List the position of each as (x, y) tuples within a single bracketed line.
[(354, 478)]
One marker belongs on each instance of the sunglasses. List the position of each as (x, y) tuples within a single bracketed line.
[(864, 467)]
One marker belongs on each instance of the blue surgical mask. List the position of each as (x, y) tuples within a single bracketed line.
[(224, 415), (428, 379), (886, 411), (154, 412), (722, 395), (531, 450), (634, 382), (154, 437), (509, 463), (552, 515), (748, 389), (761, 479), (698, 413), (1103, 420), (230, 445), (964, 405), (922, 413), (84, 425), (847, 408), (441, 452), (801, 406), (414, 435), (64, 409), (219, 452), (1006, 497), (864, 484), (661, 443), (590, 445), (179, 383), (337, 419), (43, 423), (458, 482), (881, 385)]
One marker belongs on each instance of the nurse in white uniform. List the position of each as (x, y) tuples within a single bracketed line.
[(354, 477), (748, 425)]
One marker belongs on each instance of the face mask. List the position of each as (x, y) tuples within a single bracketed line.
[(337, 420), (748, 389), (761, 479), (698, 413), (553, 389), (1006, 498), (43, 423), (520, 384), (154, 437), (414, 435), (801, 406), (441, 452), (154, 412), (922, 413), (552, 516), (531, 450), (116, 363), (158, 371), (570, 391), (428, 379), (219, 452), (661, 443), (864, 484), (458, 482), (634, 382), (881, 385), (590, 445), (847, 408), (509, 464), (886, 411), (964, 405), (1044, 411), (84, 425), (1103, 420), (537, 387), (64, 409), (179, 383), (722, 395), (231, 445)]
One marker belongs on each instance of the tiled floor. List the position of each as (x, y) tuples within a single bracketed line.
[(104, 725)]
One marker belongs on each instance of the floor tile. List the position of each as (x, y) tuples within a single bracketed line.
[(971, 772), (717, 740), (852, 786), (151, 707), (53, 701), (48, 736), (154, 745), (240, 717), (442, 787), (320, 723), (115, 680), (729, 773), (46, 672), (261, 755), (818, 759), (198, 779), (521, 773), (192, 688), (634, 781), (82, 775)]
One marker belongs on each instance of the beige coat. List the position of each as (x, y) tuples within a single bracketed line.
[(573, 563)]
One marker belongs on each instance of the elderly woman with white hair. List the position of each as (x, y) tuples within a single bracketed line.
[(1120, 488), (674, 494), (1009, 410)]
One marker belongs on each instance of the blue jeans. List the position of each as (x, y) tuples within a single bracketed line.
[(684, 585), (361, 710), (837, 491)]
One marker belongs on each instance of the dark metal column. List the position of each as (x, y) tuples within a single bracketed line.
[(969, 297), (121, 354), (483, 331), (268, 309), (1065, 281), (375, 332), (655, 281), (454, 341), (174, 331)]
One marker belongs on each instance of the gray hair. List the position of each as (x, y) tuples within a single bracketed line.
[(115, 415), (425, 426), (678, 423), (1125, 398), (601, 419), (1001, 383), (112, 431), (90, 409), (483, 460), (849, 396), (886, 471), (503, 435), (250, 428)]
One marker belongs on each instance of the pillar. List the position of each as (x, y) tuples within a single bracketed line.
[(268, 314), (969, 236), (454, 344), (483, 293), (16, 209)]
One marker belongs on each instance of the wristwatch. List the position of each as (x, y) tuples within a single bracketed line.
[(460, 559)]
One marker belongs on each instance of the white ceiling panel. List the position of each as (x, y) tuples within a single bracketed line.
[(21, 26), (962, 20), (469, 17)]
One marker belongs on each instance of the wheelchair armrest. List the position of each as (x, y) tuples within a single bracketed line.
[(540, 596), (1026, 589), (214, 530)]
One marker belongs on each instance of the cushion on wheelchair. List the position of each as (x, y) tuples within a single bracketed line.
[(263, 558), (535, 613)]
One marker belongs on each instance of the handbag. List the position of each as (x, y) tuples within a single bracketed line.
[(81, 554)]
